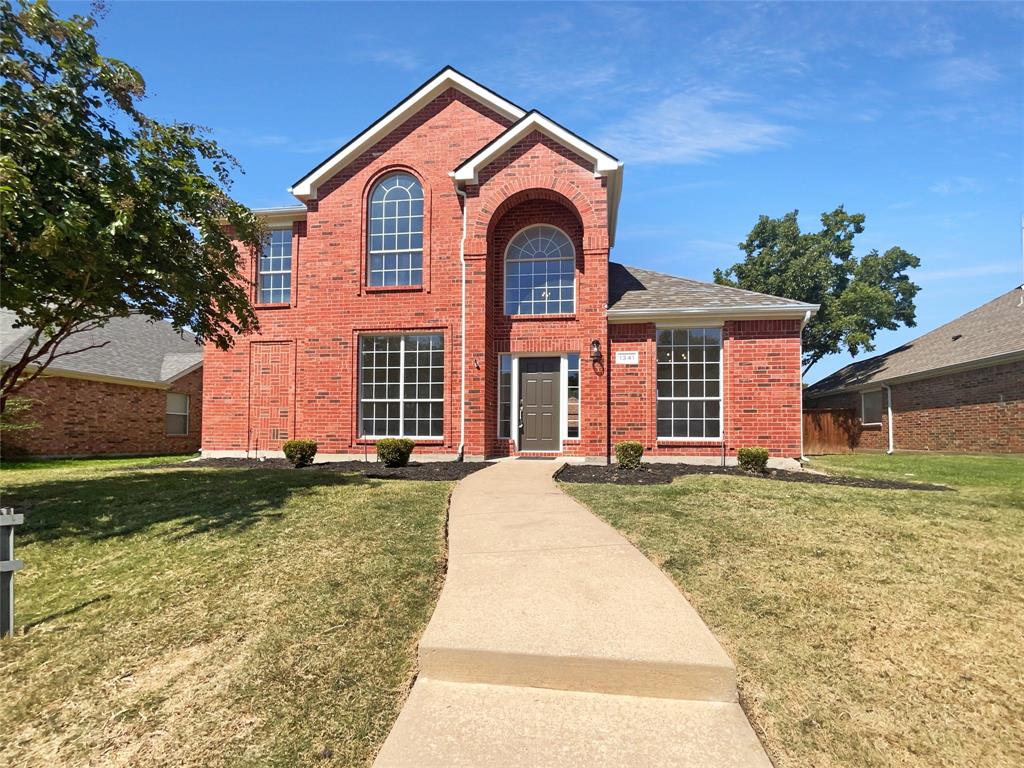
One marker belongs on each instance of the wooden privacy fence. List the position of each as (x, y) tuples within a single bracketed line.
[(831, 430)]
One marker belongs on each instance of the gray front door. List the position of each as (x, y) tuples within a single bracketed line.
[(538, 404)]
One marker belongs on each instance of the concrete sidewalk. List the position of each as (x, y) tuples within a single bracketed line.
[(556, 642)]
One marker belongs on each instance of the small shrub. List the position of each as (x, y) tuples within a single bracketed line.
[(394, 451), (753, 459), (629, 453), (299, 452)]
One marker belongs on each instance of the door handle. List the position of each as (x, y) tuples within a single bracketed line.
[(520, 415)]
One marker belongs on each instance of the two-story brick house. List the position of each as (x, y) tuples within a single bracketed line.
[(447, 278)]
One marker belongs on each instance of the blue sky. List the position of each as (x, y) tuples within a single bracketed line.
[(909, 113)]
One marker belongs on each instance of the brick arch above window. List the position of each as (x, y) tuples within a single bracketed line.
[(492, 206)]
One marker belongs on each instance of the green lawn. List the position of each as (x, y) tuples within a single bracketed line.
[(870, 627), (208, 617)]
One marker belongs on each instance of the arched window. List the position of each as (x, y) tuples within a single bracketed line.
[(540, 272), (395, 227)]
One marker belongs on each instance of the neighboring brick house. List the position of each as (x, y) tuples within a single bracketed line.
[(141, 393), (959, 388), (447, 278)]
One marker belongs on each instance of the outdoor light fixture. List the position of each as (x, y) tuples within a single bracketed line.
[(595, 350)]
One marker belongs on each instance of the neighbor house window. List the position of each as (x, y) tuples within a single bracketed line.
[(401, 386), (276, 268), (540, 272), (176, 418), (871, 407), (689, 383), (504, 395), (572, 397), (395, 232)]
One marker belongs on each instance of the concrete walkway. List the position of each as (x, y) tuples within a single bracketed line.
[(555, 642)]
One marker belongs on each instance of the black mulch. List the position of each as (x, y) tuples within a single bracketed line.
[(429, 470), (653, 474)]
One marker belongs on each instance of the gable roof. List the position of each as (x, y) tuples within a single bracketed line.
[(534, 120), (449, 77), (988, 335), (137, 350), (604, 164), (636, 295)]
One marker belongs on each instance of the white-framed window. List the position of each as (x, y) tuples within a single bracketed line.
[(572, 397), (689, 383), (401, 385), (871, 407), (540, 272), (275, 279), (395, 232), (176, 415), (504, 395)]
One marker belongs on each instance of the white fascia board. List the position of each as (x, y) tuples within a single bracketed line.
[(284, 215), (688, 314), (180, 374), (604, 164), (305, 189), (63, 373)]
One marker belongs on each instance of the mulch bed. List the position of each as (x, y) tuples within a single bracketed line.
[(428, 470), (653, 474)]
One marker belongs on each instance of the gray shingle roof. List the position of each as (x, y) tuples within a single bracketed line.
[(993, 330), (137, 349), (632, 289)]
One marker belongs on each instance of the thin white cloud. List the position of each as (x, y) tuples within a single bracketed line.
[(265, 140), (960, 72), (404, 60), (955, 185), (689, 128), (317, 146)]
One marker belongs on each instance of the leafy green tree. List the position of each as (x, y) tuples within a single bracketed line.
[(858, 296), (105, 211)]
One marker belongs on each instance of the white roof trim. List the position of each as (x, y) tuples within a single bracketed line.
[(469, 171), (305, 188), (185, 372), (276, 217), (748, 312)]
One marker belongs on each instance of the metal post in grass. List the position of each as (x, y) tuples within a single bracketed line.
[(8, 565)]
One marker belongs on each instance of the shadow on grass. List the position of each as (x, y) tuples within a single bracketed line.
[(66, 612), (192, 501)]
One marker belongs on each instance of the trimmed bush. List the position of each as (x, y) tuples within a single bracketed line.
[(628, 454), (299, 452), (394, 451), (753, 459)]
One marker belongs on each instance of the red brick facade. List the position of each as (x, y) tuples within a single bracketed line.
[(760, 390), (299, 377), (82, 417), (976, 411)]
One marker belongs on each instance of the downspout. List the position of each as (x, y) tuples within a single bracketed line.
[(462, 359), (807, 319), (888, 393)]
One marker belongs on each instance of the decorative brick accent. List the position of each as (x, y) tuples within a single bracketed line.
[(978, 411), (81, 417)]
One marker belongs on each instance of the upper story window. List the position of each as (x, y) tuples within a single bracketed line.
[(395, 227), (276, 268), (540, 272)]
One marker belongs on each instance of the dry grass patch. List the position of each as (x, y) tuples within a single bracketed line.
[(209, 617), (870, 627)]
